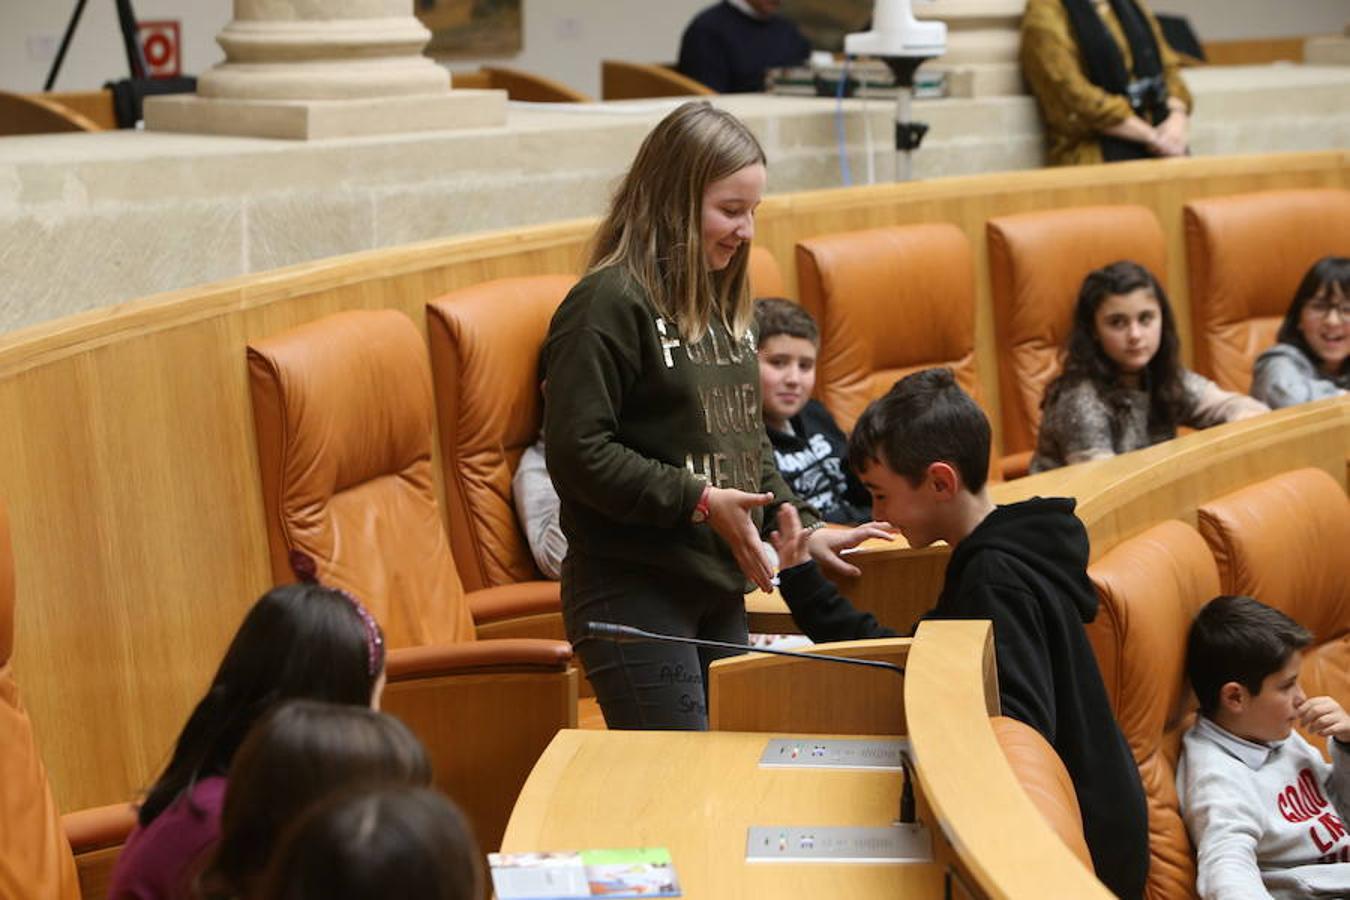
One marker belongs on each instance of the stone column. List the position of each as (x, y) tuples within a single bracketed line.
[(983, 38), (324, 68)]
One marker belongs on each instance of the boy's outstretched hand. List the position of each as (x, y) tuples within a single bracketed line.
[(1324, 716), (795, 545)]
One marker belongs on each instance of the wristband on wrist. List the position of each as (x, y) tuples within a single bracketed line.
[(701, 508)]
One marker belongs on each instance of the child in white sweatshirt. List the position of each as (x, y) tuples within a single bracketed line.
[(1266, 812)]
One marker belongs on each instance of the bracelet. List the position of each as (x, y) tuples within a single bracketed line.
[(701, 508), (814, 526)]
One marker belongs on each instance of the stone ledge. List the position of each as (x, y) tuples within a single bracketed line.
[(307, 120)]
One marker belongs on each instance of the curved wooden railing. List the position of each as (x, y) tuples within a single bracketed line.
[(996, 842)]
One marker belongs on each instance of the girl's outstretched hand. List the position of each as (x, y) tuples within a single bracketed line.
[(729, 516)]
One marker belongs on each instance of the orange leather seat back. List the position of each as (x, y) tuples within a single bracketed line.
[(1246, 255), (1042, 775), (888, 302), (1284, 541), (342, 412), (1037, 263), (35, 859), (485, 343), (1150, 588), (766, 279)]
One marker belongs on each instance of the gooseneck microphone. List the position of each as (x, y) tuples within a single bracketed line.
[(611, 631), (626, 633)]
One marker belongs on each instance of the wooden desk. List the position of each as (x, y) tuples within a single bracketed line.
[(696, 793)]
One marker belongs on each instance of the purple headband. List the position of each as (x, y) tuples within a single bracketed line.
[(305, 569)]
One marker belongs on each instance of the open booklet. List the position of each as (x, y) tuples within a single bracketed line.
[(642, 872)]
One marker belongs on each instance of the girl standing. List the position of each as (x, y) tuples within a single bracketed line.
[(652, 408)]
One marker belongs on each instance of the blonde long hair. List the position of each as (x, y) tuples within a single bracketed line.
[(653, 229)]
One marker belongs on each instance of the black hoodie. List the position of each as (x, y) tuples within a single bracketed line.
[(1025, 569)]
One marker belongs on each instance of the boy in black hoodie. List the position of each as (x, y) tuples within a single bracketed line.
[(922, 451)]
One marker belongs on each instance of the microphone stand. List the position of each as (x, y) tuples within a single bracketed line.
[(126, 20)]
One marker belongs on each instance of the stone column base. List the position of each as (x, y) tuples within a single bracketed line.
[(1332, 50), (307, 120), (969, 80)]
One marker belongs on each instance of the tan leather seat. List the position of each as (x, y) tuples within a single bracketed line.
[(36, 844), (888, 302), (1042, 775), (485, 342), (343, 414), (1246, 255), (1037, 263), (35, 860), (766, 279), (1150, 588), (1284, 541)]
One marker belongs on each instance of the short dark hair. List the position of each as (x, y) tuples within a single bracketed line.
[(1328, 274), (1237, 638), (778, 315), (924, 418)]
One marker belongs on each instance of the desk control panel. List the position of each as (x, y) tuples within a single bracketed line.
[(842, 844), (875, 754)]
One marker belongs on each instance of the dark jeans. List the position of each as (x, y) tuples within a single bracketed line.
[(648, 684)]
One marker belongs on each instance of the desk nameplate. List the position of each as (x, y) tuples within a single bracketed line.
[(839, 844), (874, 754)]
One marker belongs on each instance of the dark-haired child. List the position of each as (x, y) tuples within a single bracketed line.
[(1123, 386), (1266, 812), (381, 842), (299, 754), (298, 641), (1311, 360), (922, 450), (808, 446)]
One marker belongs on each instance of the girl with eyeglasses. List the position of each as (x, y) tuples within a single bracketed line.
[(1311, 361)]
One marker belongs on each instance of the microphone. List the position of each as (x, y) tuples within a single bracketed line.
[(612, 631), (627, 634)]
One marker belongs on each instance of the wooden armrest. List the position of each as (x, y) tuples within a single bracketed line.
[(96, 837), (513, 601), (99, 826), (1016, 465), (409, 663)]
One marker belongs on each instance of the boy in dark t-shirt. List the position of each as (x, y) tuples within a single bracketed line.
[(922, 451), (808, 447)]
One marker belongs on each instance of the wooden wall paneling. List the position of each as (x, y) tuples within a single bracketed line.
[(126, 451), (780, 694), (484, 734)]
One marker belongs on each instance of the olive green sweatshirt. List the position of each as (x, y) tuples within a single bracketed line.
[(638, 421)]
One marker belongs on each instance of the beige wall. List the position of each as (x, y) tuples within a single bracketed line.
[(30, 32), (1227, 20), (564, 39)]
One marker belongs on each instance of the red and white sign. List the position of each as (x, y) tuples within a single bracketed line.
[(161, 48)]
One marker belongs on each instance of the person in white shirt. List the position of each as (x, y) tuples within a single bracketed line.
[(1265, 811)]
